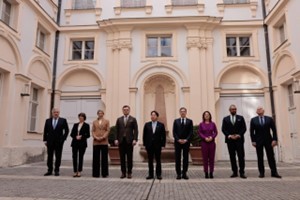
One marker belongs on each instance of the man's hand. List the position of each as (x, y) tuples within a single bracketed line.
[(116, 142), (133, 142), (274, 143), (254, 144)]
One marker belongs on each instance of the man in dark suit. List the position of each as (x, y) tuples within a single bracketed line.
[(234, 128), (261, 137), (127, 135), (56, 131), (182, 132), (154, 138)]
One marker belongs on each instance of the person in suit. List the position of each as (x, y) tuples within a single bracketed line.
[(100, 132), (261, 138), (80, 133), (234, 128), (56, 131), (208, 132), (182, 132), (127, 135), (154, 138)]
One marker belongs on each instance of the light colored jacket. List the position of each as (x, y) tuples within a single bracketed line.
[(100, 131)]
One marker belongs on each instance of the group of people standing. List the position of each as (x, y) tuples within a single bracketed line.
[(154, 139)]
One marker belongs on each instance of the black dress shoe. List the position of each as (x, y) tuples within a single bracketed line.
[(233, 175), (211, 175), (123, 176), (48, 174), (159, 177), (184, 176), (149, 177), (178, 177), (206, 175), (243, 176), (129, 176), (276, 176), (261, 176), (57, 174)]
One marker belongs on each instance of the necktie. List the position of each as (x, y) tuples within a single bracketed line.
[(125, 120), (54, 123), (232, 119), (182, 121), (261, 121)]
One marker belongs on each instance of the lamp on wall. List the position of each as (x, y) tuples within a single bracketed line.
[(25, 91), (296, 86)]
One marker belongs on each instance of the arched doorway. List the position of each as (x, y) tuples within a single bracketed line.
[(80, 92), (242, 86), (160, 95)]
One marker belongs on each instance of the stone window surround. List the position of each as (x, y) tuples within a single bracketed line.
[(82, 36), (69, 11), (199, 6), (118, 8), (254, 50), (173, 35), (253, 4), (43, 29), (14, 22)]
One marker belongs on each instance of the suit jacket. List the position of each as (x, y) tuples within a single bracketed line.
[(262, 133), (130, 130), (158, 138), (57, 135), (84, 132), (182, 132), (100, 130), (239, 127)]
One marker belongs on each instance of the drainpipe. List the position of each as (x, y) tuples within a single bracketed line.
[(55, 58), (266, 32)]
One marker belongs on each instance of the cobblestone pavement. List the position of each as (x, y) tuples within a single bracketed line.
[(27, 182)]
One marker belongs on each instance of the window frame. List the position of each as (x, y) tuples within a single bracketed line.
[(83, 50), (239, 46), (46, 42), (291, 98), (74, 7), (131, 4), (31, 103), (183, 3), (242, 31), (235, 2), (159, 46), (13, 15)]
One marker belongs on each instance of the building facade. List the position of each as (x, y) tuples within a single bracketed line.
[(85, 55)]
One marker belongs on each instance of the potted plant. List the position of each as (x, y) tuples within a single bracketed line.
[(195, 149), (113, 150)]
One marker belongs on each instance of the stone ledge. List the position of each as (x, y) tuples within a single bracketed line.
[(13, 156)]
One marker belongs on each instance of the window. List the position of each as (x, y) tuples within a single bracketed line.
[(33, 109), (41, 38), (6, 12), (184, 2), (291, 96), (235, 1), (83, 50), (159, 46), (84, 4), (281, 31), (238, 46), (133, 3)]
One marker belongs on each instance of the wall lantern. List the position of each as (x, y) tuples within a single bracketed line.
[(25, 90), (296, 86)]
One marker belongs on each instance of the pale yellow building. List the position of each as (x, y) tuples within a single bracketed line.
[(82, 55)]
